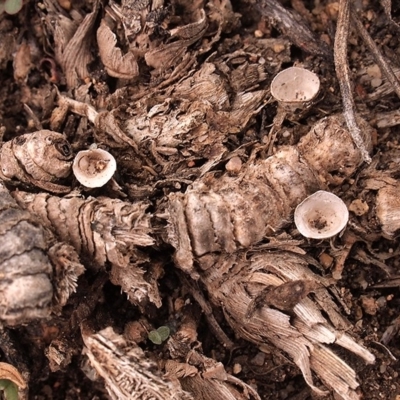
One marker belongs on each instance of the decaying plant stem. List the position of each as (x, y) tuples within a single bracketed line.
[(31, 262), (343, 75)]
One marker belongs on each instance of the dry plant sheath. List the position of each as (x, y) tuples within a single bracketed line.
[(265, 299), (31, 262), (102, 230), (43, 159)]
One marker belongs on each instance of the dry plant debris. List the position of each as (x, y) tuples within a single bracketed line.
[(191, 232)]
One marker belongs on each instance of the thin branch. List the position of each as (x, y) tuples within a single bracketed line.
[(292, 25), (343, 75), (373, 48)]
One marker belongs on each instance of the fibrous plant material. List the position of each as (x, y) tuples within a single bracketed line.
[(128, 373), (31, 262), (71, 38), (321, 215), (141, 21), (300, 325), (102, 230), (94, 167), (388, 209), (43, 159)]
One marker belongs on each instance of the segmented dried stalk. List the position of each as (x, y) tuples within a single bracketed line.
[(101, 230), (127, 372), (230, 213), (220, 216), (30, 265), (42, 159)]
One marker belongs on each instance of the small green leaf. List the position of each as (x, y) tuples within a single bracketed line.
[(13, 6), (155, 337), (164, 332), (9, 388)]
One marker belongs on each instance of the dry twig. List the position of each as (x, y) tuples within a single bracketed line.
[(342, 72)]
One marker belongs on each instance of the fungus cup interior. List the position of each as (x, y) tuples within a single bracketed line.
[(94, 168), (321, 215), (295, 85)]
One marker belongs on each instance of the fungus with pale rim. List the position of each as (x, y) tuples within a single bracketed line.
[(94, 168), (321, 215), (294, 87)]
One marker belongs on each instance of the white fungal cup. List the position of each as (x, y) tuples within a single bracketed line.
[(94, 168), (294, 87), (321, 215)]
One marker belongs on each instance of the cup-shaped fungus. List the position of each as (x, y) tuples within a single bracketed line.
[(94, 168), (321, 215), (295, 87)]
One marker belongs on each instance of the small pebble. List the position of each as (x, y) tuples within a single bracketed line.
[(237, 368), (258, 359), (376, 82), (234, 165)]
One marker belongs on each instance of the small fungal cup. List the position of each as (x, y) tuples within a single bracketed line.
[(295, 87), (321, 215), (94, 168)]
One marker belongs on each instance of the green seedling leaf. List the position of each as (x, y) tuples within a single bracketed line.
[(164, 332), (159, 335), (13, 6), (155, 337), (10, 389)]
